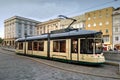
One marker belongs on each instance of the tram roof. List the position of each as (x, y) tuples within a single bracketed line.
[(59, 35)]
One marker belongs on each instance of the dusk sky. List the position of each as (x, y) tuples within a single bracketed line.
[(43, 10)]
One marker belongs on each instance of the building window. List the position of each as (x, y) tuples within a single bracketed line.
[(31, 32), (48, 29), (89, 25), (116, 38), (100, 30), (31, 27), (20, 45), (56, 26), (19, 30), (25, 26), (89, 18), (59, 46), (100, 24), (94, 17), (107, 23), (94, 24), (19, 35), (29, 45), (74, 46), (106, 31), (106, 38), (107, 15), (100, 14), (106, 10), (116, 29), (44, 29), (41, 46), (40, 31)]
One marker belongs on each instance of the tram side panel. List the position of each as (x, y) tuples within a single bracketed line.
[(29, 48), (20, 48), (60, 49), (41, 49), (89, 57)]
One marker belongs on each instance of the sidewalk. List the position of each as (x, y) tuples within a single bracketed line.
[(110, 62), (8, 49)]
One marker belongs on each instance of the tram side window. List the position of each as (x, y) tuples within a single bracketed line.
[(59, 46), (35, 45), (29, 45), (74, 46), (20, 45), (41, 46)]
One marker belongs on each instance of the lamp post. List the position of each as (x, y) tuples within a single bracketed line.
[(25, 34)]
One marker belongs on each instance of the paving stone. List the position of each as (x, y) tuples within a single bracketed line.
[(18, 68)]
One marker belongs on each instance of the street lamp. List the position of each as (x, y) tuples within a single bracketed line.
[(73, 20), (25, 34)]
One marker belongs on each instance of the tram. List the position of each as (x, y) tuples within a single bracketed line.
[(82, 46)]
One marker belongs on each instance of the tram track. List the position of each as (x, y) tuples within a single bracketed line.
[(58, 67)]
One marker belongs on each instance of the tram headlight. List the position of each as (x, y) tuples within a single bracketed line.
[(101, 54)]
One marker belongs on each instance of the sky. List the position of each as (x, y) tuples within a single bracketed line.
[(42, 10)]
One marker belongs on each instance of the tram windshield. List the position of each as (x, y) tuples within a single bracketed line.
[(87, 46), (98, 46)]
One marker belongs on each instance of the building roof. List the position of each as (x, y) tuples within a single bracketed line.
[(21, 18), (99, 10), (49, 21)]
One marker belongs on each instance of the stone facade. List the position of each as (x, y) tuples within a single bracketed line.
[(56, 24), (101, 20), (16, 27), (116, 28), (47, 26)]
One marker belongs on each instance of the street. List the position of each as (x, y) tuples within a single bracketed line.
[(19, 68)]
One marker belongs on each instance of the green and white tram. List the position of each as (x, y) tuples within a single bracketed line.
[(82, 46)]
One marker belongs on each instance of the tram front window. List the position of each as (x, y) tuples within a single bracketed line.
[(86, 46), (98, 46)]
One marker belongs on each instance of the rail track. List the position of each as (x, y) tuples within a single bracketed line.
[(58, 67)]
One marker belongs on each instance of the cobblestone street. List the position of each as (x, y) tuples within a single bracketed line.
[(18, 68)]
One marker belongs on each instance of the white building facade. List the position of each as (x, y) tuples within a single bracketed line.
[(47, 26), (116, 28), (16, 27)]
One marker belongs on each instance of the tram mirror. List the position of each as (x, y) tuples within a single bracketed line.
[(102, 41)]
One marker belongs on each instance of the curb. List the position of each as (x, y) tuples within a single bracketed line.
[(112, 63), (8, 50)]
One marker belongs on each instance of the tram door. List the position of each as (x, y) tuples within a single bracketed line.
[(74, 50)]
